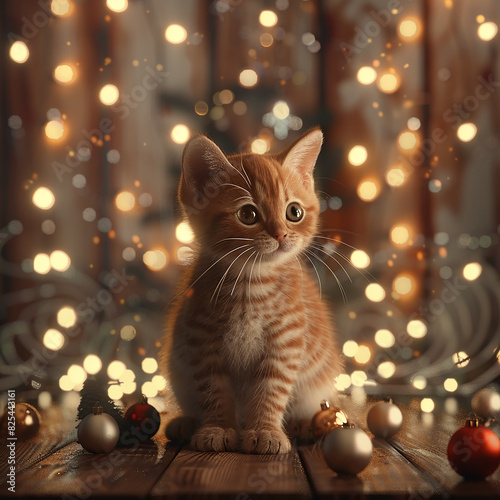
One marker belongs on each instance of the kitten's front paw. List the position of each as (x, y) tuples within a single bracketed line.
[(265, 441), (213, 438)]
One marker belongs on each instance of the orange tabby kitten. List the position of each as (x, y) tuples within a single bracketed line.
[(250, 345)]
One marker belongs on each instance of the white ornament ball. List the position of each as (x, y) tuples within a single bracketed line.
[(486, 403), (347, 450), (98, 433), (384, 419)]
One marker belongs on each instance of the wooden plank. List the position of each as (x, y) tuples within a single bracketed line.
[(424, 442), (233, 475), (388, 474), (55, 432), (72, 472)]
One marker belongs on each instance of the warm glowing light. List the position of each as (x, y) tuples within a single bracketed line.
[(350, 348), (413, 123), (461, 359), (268, 18), (342, 382), (388, 83), (63, 73), (408, 28), (77, 374), (180, 134), (125, 201), (19, 52), (402, 284), (129, 387), (419, 382), (248, 78), (41, 263), (59, 7), (384, 338), (281, 110), (159, 382), (450, 385), (109, 94), (60, 260), (175, 33), (201, 108), (54, 129), (65, 383), (127, 376), (149, 390), (363, 354), (149, 365), (184, 233), (407, 140), (43, 198), (53, 339), (366, 75), (66, 317), (116, 369), (427, 405), (226, 96), (472, 271), (368, 190), (416, 328), (375, 292), (395, 177), (360, 259), (487, 31), (400, 235), (259, 146), (358, 378), (117, 5), (386, 369), (155, 259), (466, 132), (128, 332), (357, 155), (115, 392), (92, 364)]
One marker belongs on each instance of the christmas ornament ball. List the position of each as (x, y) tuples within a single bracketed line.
[(384, 419), (474, 451), (144, 418), (326, 419), (27, 421), (486, 403), (347, 449), (98, 432)]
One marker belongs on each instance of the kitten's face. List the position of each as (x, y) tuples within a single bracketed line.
[(250, 207)]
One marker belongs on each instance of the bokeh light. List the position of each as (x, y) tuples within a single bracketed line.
[(115, 392), (248, 78), (125, 201), (77, 374), (43, 198), (155, 259), (366, 75), (149, 390), (128, 332), (409, 29), (109, 94), (388, 83), (117, 5), (60, 260), (64, 73), (375, 292), (360, 259), (357, 155), (53, 339), (386, 369), (59, 7), (184, 233), (54, 129), (41, 263), (268, 18), (66, 317), (395, 177), (400, 235), (92, 364), (407, 140), (362, 355), (384, 338), (175, 34), (149, 365), (402, 284), (368, 190), (180, 133), (419, 382), (350, 348), (487, 31), (19, 52), (116, 369), (472, 271), (281, 110), (461, 359), (427, 405), (260, 146), (416, 328), (466, 132), (450, 385)]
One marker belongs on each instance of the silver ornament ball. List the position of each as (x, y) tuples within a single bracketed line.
[(486, 403), (98, 433), (384, 419), (347, 450)]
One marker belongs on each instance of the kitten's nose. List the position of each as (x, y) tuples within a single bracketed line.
[(280, 236)]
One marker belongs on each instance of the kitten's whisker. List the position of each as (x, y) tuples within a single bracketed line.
[(316, 271), (318, 247), (221, 281), (244, 178), (241, 270), (249, 182), (228, 239), (260, 269), (236, 186), (342, 291), (251, 271), (340, 242), (244, 198), (300, 266)]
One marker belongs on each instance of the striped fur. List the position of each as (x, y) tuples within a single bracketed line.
[(250, 345)]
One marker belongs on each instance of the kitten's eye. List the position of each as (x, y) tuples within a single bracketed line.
[(248, 215), (294, 212)]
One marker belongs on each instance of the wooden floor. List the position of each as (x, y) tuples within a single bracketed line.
[(411, 465)]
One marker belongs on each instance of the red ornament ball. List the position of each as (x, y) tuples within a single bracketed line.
[(144, 419), (474, 451)]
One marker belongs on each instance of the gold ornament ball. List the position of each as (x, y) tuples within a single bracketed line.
[(98, 432), (326, 419), (347, 449), (486, 403), (27, 422), (384, 419)]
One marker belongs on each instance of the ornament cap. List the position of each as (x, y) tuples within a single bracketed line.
[(472, 422), (97, 408), (388, 399), (324, 405), (348, 425), (144, 400)]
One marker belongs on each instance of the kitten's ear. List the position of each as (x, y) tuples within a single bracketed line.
[(200, 160), (303, 153)]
